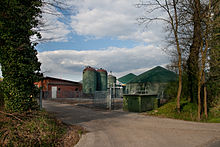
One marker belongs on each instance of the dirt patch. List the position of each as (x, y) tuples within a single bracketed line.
[(72, 136)]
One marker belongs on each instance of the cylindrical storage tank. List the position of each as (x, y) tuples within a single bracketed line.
[(101, 80), (111, 81), (89, 80)]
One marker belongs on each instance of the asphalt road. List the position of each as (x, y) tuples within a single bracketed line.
[(123, 129)]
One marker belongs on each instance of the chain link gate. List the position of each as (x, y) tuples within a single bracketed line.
[(108, 99)]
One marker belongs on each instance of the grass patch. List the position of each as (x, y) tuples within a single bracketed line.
[(188, 112), (36, 128), (214, 115)]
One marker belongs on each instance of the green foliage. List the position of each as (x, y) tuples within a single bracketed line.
[(170, 91), (214, 61), (214, 114), (188, 111), (35, 128), (1, 95), (19, 63)]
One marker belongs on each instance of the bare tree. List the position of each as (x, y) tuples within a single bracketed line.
[(208, 30), (55, 9), (172, 20)]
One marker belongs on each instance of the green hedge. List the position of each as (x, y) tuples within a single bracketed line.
[(1, 95)]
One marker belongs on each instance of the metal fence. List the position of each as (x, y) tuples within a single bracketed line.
[(102, 99), (110, 99), (63, 94)]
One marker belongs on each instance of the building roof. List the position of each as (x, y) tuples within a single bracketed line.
[(155, 75), (52, 78), (125, 79), (101, 70)]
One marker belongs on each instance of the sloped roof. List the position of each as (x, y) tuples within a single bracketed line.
[(68, 81), (125, 79), (157, 74)]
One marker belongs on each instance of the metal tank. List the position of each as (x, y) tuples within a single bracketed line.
[(111, 81), (101, 80), (89, 80)]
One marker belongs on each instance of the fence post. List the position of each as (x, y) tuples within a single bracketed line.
[(110, 99)]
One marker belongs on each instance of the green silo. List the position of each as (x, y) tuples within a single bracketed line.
[(111, 81), (101, 80), (89, 80)]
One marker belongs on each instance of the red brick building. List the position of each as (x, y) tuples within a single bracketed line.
[(59, 88)]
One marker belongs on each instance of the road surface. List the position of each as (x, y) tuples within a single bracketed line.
[(123, 129)]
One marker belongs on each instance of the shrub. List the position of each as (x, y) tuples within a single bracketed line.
[(34, 128), (1, 95)]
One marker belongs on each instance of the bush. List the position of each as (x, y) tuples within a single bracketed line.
[(188, 111), (171, 89), (1, 96), (214, 114), (34, 128)]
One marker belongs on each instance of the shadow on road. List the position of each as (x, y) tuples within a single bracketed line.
[(73, 114)]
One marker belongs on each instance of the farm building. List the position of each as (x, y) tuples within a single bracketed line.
[(152, 82), (59, 88), (111, 81), (125, 79)]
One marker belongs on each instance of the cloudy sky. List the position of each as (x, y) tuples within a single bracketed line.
[(99, 33)]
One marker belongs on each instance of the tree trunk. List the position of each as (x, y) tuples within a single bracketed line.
[(192, 61), (175, 29), (179, 88), (205, 102), (199, 98)]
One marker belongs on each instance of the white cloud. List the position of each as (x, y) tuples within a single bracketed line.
[(98, 18), (113, 18), (70, 63), (102, 23), (51, 27)]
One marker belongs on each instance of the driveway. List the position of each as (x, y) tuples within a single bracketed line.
[(123, 129)]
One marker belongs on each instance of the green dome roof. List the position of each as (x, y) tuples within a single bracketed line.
[(125, 79), (157, 74)]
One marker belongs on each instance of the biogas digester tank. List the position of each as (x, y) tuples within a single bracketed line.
[(111, 81), (101, 80), (89, 80)]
